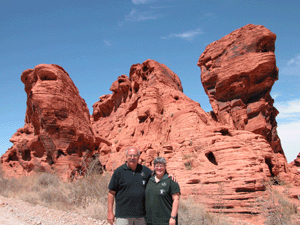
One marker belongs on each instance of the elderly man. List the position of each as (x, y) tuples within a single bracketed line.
[(127, 186)]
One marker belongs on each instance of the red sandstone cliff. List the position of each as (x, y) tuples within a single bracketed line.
[(150, 111), (57, 135), (222, 158)]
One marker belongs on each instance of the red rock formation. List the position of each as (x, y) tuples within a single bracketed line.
[(217, 165), (57, 134), (295, 171), (223, 161), (237, 73)]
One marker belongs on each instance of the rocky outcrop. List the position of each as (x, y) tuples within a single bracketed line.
[(237, 73), (222, 158), (57, 135), (295, 171), (219, 165)]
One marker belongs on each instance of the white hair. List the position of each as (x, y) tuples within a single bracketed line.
[(131, 147)]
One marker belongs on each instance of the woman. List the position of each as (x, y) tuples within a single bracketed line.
[(162, 196)]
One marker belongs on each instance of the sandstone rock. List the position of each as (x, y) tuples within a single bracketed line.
[(217, 164), (237, 73), (222, 158), (57, 134), (295, 171)]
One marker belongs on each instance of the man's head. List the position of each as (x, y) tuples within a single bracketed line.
[(132, 155)]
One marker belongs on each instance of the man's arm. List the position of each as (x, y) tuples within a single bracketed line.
[(172, 177), (110, 203)]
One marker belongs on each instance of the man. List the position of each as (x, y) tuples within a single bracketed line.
[(127, 186)]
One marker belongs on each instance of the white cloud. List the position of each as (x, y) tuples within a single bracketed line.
[(135, 15), (292, 67), (163, 7), (288, 121), (107, 42), (189, 35), (275, 95), (138, 2), (289, 136), (289, 110)]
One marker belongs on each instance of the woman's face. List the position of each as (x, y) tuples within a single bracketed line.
[(160, 169)]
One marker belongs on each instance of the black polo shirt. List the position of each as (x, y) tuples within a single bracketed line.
[(130, 188), (159, 200)]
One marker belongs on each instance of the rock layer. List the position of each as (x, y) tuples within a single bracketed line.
[(57, 134)]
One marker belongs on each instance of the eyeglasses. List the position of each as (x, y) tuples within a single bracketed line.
[(132, 156), (159, 166)]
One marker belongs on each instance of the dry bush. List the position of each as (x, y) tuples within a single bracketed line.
[(276, 208), (9, 187), (192, 213), (87, 195), (3, 182)]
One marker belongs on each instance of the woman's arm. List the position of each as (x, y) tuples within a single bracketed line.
[(175, 205)]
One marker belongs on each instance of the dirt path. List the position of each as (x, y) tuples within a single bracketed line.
[(17, 212)]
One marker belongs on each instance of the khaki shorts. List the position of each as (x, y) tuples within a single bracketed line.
[(131, 221)]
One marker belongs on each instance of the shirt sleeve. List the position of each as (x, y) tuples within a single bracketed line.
[(148, 172), (113, 184), (174, 186)]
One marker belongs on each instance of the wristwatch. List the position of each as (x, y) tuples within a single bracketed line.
[(173, 217)]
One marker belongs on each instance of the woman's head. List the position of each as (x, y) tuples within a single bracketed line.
[(160, 166)]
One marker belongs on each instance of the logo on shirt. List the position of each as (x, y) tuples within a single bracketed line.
[(162, 191), (142, 174), (163, 183), (144, 182)]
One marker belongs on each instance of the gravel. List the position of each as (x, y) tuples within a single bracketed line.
[(14, 211)]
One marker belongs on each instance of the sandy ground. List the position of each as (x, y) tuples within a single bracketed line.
[(17, 212)]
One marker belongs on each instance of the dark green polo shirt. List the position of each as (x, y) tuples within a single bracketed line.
[(159, 200), (130, 188)]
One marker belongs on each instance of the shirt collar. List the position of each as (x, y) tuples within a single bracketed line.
[(126, 167), (165, 176)]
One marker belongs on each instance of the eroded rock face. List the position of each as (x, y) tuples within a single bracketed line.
[(295, 171), (57, 134), (217, 164), (237, 73)]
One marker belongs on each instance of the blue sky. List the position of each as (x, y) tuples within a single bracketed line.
[(97, 41)]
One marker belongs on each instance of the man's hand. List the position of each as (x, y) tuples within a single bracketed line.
[(110, 201), (172, 221), (111, 217), (172, 177)]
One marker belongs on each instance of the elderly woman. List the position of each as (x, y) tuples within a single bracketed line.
[(162, 196)]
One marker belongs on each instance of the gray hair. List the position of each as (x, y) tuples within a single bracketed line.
[(131, 147), (161, 160)]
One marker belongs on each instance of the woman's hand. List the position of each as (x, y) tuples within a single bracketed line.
[(172, 221)]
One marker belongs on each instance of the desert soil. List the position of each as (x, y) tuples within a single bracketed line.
[(14, 211)]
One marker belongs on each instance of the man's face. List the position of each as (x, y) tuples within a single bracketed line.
[(132, 157)]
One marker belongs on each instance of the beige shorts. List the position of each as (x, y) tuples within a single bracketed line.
[(131, 221)]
